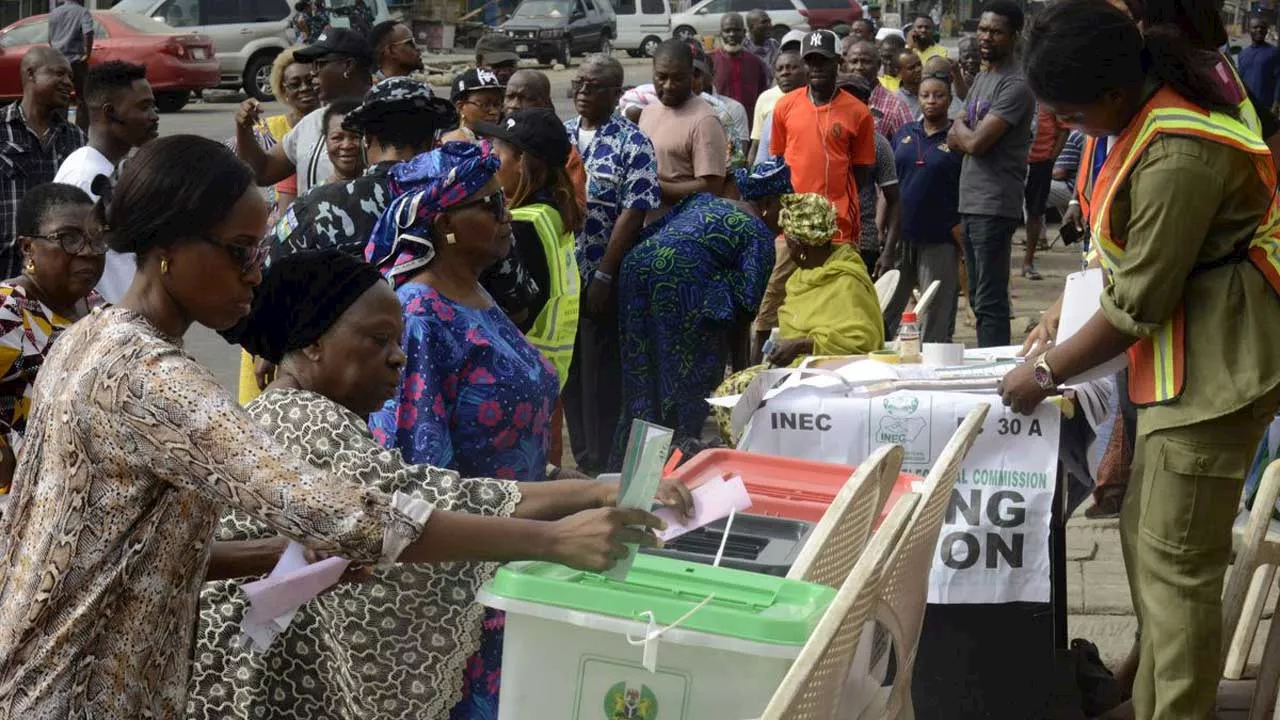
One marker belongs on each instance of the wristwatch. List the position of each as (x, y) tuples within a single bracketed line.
[(1043, 374)]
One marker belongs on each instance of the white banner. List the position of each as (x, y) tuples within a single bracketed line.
[(994, 544)]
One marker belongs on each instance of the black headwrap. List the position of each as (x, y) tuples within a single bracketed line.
[(300, 298)]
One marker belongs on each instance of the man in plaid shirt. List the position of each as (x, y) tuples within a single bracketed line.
[(35, 138)]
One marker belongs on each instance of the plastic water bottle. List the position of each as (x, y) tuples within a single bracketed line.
[(909, 338), (768, 344)]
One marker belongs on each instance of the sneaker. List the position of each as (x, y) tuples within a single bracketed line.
[(1029, 272)]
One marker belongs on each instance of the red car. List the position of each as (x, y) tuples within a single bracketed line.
[(829, 13), (177, 62)]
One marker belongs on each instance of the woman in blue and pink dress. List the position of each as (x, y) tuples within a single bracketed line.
[(476, 396)]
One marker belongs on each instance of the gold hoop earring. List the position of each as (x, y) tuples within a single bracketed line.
[(164, 266), (449, 238), (31, 266), (346, 74)]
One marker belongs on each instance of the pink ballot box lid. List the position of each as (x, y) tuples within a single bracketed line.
[(779, 486)]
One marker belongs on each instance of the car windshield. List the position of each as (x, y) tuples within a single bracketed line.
[(36, 31), (136, 7), (141, 23), (543, 9)]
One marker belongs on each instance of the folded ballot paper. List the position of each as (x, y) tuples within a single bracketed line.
[(712, 501), (274, 599)]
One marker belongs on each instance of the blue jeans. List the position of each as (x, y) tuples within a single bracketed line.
[(988, 247)]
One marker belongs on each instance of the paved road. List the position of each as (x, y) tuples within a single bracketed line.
[(214, 119)]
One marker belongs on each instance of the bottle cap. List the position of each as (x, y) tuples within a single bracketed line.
[(908, 317)]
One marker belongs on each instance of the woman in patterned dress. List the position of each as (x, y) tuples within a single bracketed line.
[(393, 647), (54, 290), (692, 275), (137, 451)]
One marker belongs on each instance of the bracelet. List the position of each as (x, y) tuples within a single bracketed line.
[(1073, 202), (603, 277)]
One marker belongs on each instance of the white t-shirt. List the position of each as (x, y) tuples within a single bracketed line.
[(304, 145), (584, 139), (79, 169)]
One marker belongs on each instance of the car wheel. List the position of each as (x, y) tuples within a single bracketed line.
[(257, 77), (649, 45), (779, 31), (172, 100), (684, 32)]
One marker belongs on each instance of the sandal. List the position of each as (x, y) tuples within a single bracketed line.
[(1029, 272)]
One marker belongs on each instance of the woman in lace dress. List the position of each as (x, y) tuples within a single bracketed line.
[(132, 451), (393, 647)]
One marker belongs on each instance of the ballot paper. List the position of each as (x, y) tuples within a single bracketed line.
[(1081, 299), (641, 472), (292, 583), (712, 501)]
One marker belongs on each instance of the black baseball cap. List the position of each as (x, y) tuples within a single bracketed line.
[(536, 131), (474, 79), (820, 42), (495, 49), (336, 41)]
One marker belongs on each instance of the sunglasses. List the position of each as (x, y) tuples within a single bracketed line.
[(249, 257), (943, 76), (495, 203), (74, 242), (586, 88)]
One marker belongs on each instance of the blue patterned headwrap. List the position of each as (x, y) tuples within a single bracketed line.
[(768, 179), (424, 187)]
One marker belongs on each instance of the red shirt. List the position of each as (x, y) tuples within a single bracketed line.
[(1047, 129), (822, 145), (742, 77)]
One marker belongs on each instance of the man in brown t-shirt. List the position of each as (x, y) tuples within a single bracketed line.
[(687, 135)]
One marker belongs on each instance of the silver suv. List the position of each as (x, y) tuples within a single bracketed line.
[(247, 34)]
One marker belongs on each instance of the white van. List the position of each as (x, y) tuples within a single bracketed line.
[(642, 25), (247, 34)]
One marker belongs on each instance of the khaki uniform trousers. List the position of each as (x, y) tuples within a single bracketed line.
[(1175, 530)]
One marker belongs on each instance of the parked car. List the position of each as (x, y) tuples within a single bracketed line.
[(703, 18), (177, 62), (642, 25), (553, 30), (247, 34)]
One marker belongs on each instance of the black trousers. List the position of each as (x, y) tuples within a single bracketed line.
[(593, 393)]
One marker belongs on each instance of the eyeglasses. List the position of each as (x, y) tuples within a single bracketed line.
[(296, 84), (248, 257), (486, 106), (495, 203), (318, 64), (586, 88), (943, 76), (74, 242)]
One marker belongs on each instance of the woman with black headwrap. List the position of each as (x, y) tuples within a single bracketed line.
[(393, 647)]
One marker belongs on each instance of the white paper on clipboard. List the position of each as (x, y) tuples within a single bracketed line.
[(1081, 299)]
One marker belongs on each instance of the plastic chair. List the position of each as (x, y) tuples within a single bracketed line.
[(812, 687), (926, 298), (839, 538), (1251, 577), (905, 590), (886, 286)]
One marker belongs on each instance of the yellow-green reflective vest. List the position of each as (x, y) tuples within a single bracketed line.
[(556, 326)]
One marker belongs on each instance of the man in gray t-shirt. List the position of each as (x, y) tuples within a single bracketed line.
[(71, 33), (995, 134)]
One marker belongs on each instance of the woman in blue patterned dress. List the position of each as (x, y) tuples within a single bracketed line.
[(692, 274)]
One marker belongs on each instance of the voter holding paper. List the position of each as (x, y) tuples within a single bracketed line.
[(334, 326)]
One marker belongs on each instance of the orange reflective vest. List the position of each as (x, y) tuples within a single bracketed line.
[(1157, 363)]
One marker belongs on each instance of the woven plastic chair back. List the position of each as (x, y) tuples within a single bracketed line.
[(886, 286), (905, 589), (839, 538), (812, 687)]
